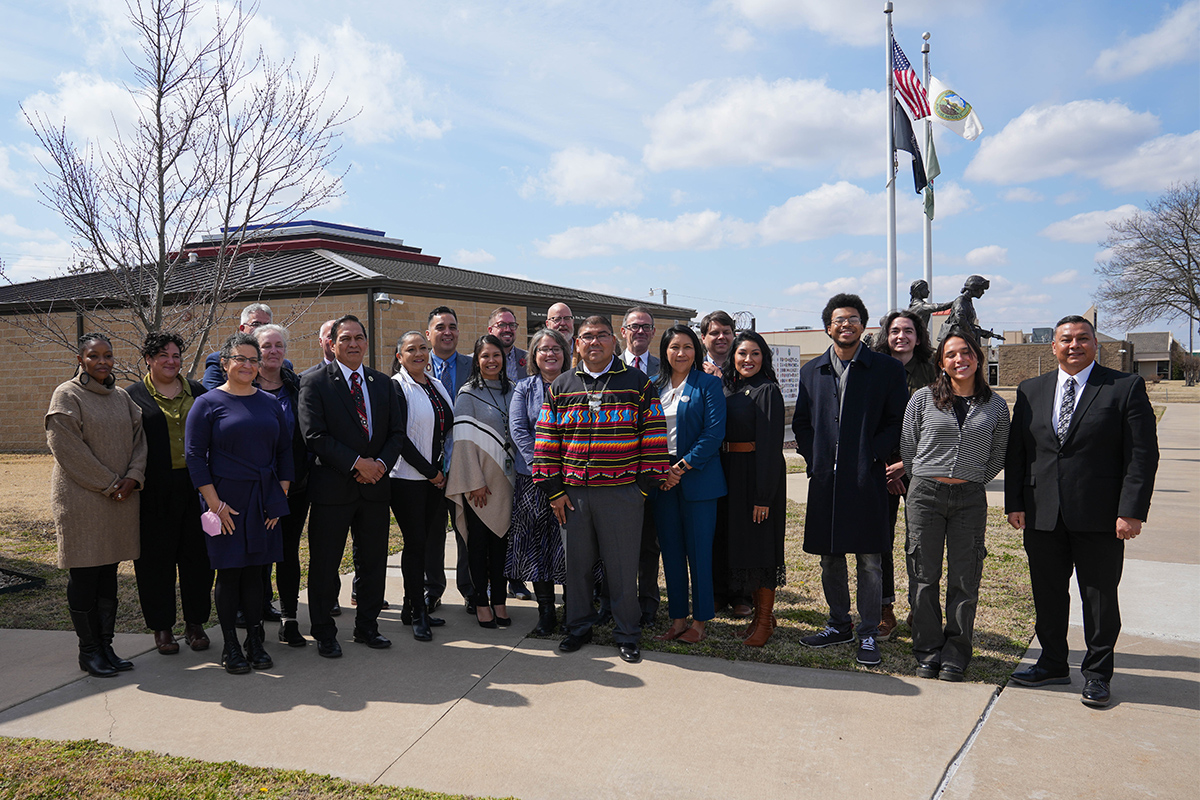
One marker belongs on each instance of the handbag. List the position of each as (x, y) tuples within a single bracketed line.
[(211, 521)]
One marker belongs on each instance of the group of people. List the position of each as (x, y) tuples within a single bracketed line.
[(568, 464)]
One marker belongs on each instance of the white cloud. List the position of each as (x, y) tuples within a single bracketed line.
[(468, 257), (750, 121), (37, 259), (1067, 198), (739, 40), (91, 107), (678, 196), (16, 181), (1022, 194), (1155, 164), (704, 230), (992, 255), (828, 210), (581, 175), (1066, 276), (1172, 42), (856, 23), (1083, 136), (861, 259), (1086, 228), (378, 83)]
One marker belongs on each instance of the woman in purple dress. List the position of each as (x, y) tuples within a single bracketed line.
[(239, 453)]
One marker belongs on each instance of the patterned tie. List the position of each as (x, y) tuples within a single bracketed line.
[(1065, 409), (360, 402)]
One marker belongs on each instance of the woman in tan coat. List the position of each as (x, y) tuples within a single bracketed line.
[(94, 431)]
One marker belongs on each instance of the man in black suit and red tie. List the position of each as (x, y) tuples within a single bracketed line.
[(353, 422), (1082, 455)]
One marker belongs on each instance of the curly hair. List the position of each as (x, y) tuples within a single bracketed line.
[(237, 340), (157, 341)]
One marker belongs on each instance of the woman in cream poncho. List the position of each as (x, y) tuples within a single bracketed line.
[(481, 477), (94, 430)]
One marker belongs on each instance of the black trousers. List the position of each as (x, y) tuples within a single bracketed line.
[(435, 560), (287, 571), (367, 522), (420, 511), (172, 540), (486, 552), (1097, 558)]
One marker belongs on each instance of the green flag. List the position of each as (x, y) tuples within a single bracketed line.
[(932, 170)]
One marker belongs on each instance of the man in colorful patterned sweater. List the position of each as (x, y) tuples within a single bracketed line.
[(601, 448)]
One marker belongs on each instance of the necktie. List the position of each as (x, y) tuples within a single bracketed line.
[(637, 362), (1065, 409), (360, 402), (439, 367)]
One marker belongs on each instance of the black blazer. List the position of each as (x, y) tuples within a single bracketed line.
[(1105, 467), (291, 385), (158, 442), (333, 434)]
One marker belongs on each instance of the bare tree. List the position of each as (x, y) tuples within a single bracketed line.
[(223, 141), (1154, 271)]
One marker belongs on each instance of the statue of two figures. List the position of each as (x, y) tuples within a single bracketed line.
[(962, 308)]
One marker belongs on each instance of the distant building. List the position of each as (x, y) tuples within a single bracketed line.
[(307, 272), (1153, 354)]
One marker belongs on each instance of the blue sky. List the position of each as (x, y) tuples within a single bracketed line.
[(730, 152)]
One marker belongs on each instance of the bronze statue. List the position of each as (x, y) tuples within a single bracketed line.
[(918, 293), (962, 310)]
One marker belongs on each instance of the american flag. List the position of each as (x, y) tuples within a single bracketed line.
[(908, 85)]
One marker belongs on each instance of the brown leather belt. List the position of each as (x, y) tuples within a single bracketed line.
[(737, 447)]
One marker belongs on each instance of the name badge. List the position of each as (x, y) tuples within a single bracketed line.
[(683, 398)]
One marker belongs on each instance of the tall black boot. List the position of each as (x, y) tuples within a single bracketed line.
[(420, 621), (256, 654), (91, 660), (232, 658), (106, 616), (547, 616), (289, 628)]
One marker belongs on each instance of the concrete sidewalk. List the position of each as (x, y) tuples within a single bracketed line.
[(674, 726)]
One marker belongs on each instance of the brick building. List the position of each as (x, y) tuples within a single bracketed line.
[(307, 272)]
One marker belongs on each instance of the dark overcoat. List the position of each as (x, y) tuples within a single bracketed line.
[(846, 462)]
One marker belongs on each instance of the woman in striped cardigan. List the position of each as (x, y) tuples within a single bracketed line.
[(952, 442)]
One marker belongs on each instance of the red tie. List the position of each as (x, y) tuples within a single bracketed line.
[(360, 402), (637, 362)]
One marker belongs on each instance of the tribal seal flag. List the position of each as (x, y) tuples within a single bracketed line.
[(950, 109)]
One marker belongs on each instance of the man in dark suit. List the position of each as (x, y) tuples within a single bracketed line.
[(354, 424), (637, 331), (325, 338), (452, 369), (1082, 455)]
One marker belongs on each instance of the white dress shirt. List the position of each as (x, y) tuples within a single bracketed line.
[(346, 371), (1080, 379), (631, 360), (669, 396)]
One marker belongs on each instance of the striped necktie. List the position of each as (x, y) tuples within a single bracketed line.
[(1065, 409)]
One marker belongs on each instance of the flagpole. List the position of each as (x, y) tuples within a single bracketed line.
[(928, 135), (891, 165)]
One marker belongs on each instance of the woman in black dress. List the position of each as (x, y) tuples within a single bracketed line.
[(170, 512), (752, 457)]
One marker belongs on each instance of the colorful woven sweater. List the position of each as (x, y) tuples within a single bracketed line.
[(605, 431)]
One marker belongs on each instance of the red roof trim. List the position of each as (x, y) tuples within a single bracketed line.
[(318, 243)]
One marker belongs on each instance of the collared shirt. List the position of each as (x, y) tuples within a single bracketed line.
[(1080, 379), (445, 370), (175, 409), (669, 396), (629, 358), (346, 371), (583, 368)]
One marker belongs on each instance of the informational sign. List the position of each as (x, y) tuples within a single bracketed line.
[(786, 360)]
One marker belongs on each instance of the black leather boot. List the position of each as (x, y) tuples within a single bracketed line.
[(106, 616), (91, 660), (232, 658), (421, 623), (256, 654), (547, 616)]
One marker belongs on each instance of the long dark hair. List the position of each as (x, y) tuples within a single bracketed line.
[(921, 351), (476, 378), (943, 389), (664, 368), (730, 376)]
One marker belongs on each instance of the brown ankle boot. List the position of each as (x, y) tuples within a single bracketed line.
[(764, 619)]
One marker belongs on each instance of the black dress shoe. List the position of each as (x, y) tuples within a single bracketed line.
[(336, 611), (928, 669), (951, 673), (573, 642), (329, 648), (289, 633), (1096, 694), (630, 652), (1040, 676), (372, 639), (432, 604), (270, 613)]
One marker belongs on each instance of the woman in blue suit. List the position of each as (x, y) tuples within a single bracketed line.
[(685, 510)]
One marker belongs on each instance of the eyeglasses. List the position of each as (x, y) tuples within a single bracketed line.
[(846, 322), (640, 328), (547, 351), (254, 323), (240, 360), (506, 326), (558, 319), (589, 338)]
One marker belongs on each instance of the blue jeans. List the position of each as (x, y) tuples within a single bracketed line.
[(836, 583)]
